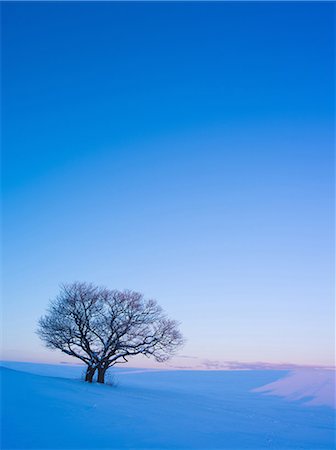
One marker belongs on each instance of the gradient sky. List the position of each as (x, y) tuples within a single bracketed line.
[(184, 150)]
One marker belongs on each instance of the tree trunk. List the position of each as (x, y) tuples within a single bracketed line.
[(101, 374), (89, 374)]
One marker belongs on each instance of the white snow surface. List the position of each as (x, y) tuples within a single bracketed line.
[(50, 407)]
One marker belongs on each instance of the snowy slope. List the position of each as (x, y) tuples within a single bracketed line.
[(313, 387), (154, 409)]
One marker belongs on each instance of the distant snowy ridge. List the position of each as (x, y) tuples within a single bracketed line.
[(315, 387)]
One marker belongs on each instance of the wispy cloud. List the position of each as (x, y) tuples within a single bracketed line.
[(257, 365), (195, 363)]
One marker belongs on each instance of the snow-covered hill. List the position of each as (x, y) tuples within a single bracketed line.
[(46, 406)]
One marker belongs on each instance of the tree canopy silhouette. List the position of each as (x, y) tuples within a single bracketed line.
[(104, 327)]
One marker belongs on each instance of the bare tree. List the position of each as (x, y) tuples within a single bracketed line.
[(105, 327)]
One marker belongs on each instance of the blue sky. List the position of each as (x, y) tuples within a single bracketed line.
[(181, 149)]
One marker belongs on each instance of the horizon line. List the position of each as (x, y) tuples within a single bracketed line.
[(224, 366)]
